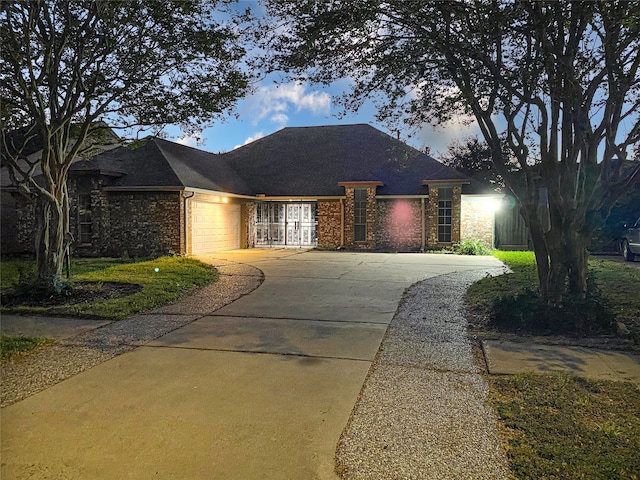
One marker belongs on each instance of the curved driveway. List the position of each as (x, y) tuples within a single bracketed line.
[(261, 388)]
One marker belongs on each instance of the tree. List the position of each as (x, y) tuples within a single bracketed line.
[(67, 68), (557, 79), (473, 158)]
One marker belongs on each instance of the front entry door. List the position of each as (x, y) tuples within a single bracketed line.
[(287, 224)]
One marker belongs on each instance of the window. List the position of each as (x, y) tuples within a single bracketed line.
[(360, 214), (445, 200), (84, 219)]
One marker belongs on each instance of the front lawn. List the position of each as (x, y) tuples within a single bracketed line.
[(560, 426), (565, 428), (509, 302), (161, 281)]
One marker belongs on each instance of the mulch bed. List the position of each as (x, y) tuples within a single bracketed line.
[(81, 292)]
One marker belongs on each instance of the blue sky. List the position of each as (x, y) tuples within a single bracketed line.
[(274, 106)]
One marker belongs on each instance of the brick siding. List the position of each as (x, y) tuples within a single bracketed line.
[(142, 224), (477, 219), (370, 239), (329, 223), (431, 214), (399, 226)]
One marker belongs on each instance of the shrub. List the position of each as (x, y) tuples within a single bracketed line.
[(471, 247), (525, 311)]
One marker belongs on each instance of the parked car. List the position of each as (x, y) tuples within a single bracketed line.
[(630, 243)]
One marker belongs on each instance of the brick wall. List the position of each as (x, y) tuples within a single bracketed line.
[(455, 220), (248, 218), (142, 224), (9, 224), (431, 214), (370, 239), (329, 223), (91, 185), (477, 218), (25, 226), (431, 218), (399, 225)]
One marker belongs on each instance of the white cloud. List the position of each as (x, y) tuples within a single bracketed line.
[(438, 138), (250, 139), (275, 100), (280, 118), (190, 140)]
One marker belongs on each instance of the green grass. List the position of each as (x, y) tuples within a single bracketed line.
[(616, 288), (174, 277), (10, 345), (563, 427), (14, 271)]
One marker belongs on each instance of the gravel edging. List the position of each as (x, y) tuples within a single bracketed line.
[(422, 412), (26, 375)]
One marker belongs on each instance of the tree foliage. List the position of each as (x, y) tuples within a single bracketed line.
[(70, 67), (472, 157), (558, 80)]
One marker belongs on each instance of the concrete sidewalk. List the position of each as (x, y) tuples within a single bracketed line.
[(508, 358), (58, 328)]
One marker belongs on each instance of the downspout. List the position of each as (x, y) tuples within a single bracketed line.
[(186, 221), (341, 224), (423, 223)]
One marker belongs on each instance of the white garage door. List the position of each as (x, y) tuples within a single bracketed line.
[(214, 227)]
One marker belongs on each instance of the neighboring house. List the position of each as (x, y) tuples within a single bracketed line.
[(349, 186)]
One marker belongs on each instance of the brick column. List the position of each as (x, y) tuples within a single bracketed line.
[(456, 214), (431, 218), (370, 239)]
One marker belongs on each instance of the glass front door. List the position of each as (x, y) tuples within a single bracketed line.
[(286, 224)]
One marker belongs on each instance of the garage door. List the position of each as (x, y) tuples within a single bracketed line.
[(214, 227)]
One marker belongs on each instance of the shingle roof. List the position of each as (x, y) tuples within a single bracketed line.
[(300, 161), (160, 163), (313, 160)]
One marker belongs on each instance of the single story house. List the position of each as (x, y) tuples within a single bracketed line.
[(345, 186)]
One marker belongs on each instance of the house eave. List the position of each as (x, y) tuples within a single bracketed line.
[(446, 182), (178, 189), (361, 183), (297, 198), (393, 197)]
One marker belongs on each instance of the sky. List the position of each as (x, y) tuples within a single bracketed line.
[(274, 106)]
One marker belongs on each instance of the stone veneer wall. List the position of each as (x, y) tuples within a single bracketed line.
[(329, 223), (477, 219), (399, 225), (143, 224), (370, 242)]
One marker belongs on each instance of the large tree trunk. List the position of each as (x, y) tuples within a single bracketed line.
[(568, 266), (51, 221), (561, 257)]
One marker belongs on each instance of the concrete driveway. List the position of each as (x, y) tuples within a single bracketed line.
[(261, 388)]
